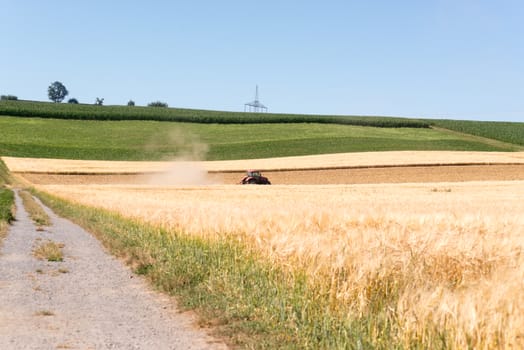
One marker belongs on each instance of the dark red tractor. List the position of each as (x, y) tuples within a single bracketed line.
[(254, 177)]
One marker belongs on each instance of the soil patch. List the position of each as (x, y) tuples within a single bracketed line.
[(404, 174)]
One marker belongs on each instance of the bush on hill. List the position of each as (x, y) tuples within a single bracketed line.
[(8, 98), (157, 104)]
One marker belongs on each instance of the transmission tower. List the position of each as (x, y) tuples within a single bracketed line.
[(255, 106)]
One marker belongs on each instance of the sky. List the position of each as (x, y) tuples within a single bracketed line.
[(453, 59)]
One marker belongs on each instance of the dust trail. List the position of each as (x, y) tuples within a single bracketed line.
[(180, 173), (184, 168)]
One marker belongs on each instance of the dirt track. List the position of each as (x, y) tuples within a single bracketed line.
[(88, 301), (404, 174)]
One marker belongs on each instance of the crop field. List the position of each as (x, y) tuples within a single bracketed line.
[(407, 174), (324, 161), (437, 262), (502, 131), (444, 258), (91, 112), (154, 141), (371, 237), (342, 168)]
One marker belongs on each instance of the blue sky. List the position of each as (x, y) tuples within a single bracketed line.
[(459, 59)]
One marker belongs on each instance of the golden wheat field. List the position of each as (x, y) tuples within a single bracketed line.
[(364, 159), (458, 245), (455, 247)]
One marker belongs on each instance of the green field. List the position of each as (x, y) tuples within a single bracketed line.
[(50, 130), (501, 131), (152, 140)]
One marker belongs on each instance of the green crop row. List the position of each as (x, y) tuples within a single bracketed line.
[(501, 131), (92, 112)]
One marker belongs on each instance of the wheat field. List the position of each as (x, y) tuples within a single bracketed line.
[(364, 159), (450, 252), (439, 259)]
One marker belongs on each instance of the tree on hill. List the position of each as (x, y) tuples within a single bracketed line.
[(99, 101), (57, 92), (131, 103), (73, 100)]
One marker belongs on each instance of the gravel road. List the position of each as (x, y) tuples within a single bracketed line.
[(88, 301)]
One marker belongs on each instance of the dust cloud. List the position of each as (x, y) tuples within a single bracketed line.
[(184, 168)]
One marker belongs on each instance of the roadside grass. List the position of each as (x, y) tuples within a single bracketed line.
[(5, 176), (35, 210), (6, 204), (6, 210), (50, 251), (7, 200), (150, 140), (249, 301)]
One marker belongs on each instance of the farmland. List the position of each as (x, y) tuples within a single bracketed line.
[(340, 168), (332, 256), (150, 140), (391, 254), (91, 112), (376, 257), (507, 132)]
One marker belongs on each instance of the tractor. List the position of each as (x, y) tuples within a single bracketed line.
[(254, 177)]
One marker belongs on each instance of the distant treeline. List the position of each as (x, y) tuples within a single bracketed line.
[(93, 112), (8, 98)]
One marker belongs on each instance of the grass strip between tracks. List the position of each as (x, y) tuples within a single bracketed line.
[(36, 212), (247, 300)]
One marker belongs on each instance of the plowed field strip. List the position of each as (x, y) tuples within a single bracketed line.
[(400, 175), (404, 174)]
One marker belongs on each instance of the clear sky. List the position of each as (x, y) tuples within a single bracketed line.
[(459, 59)]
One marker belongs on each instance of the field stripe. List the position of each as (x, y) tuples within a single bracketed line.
[(326, 161)]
